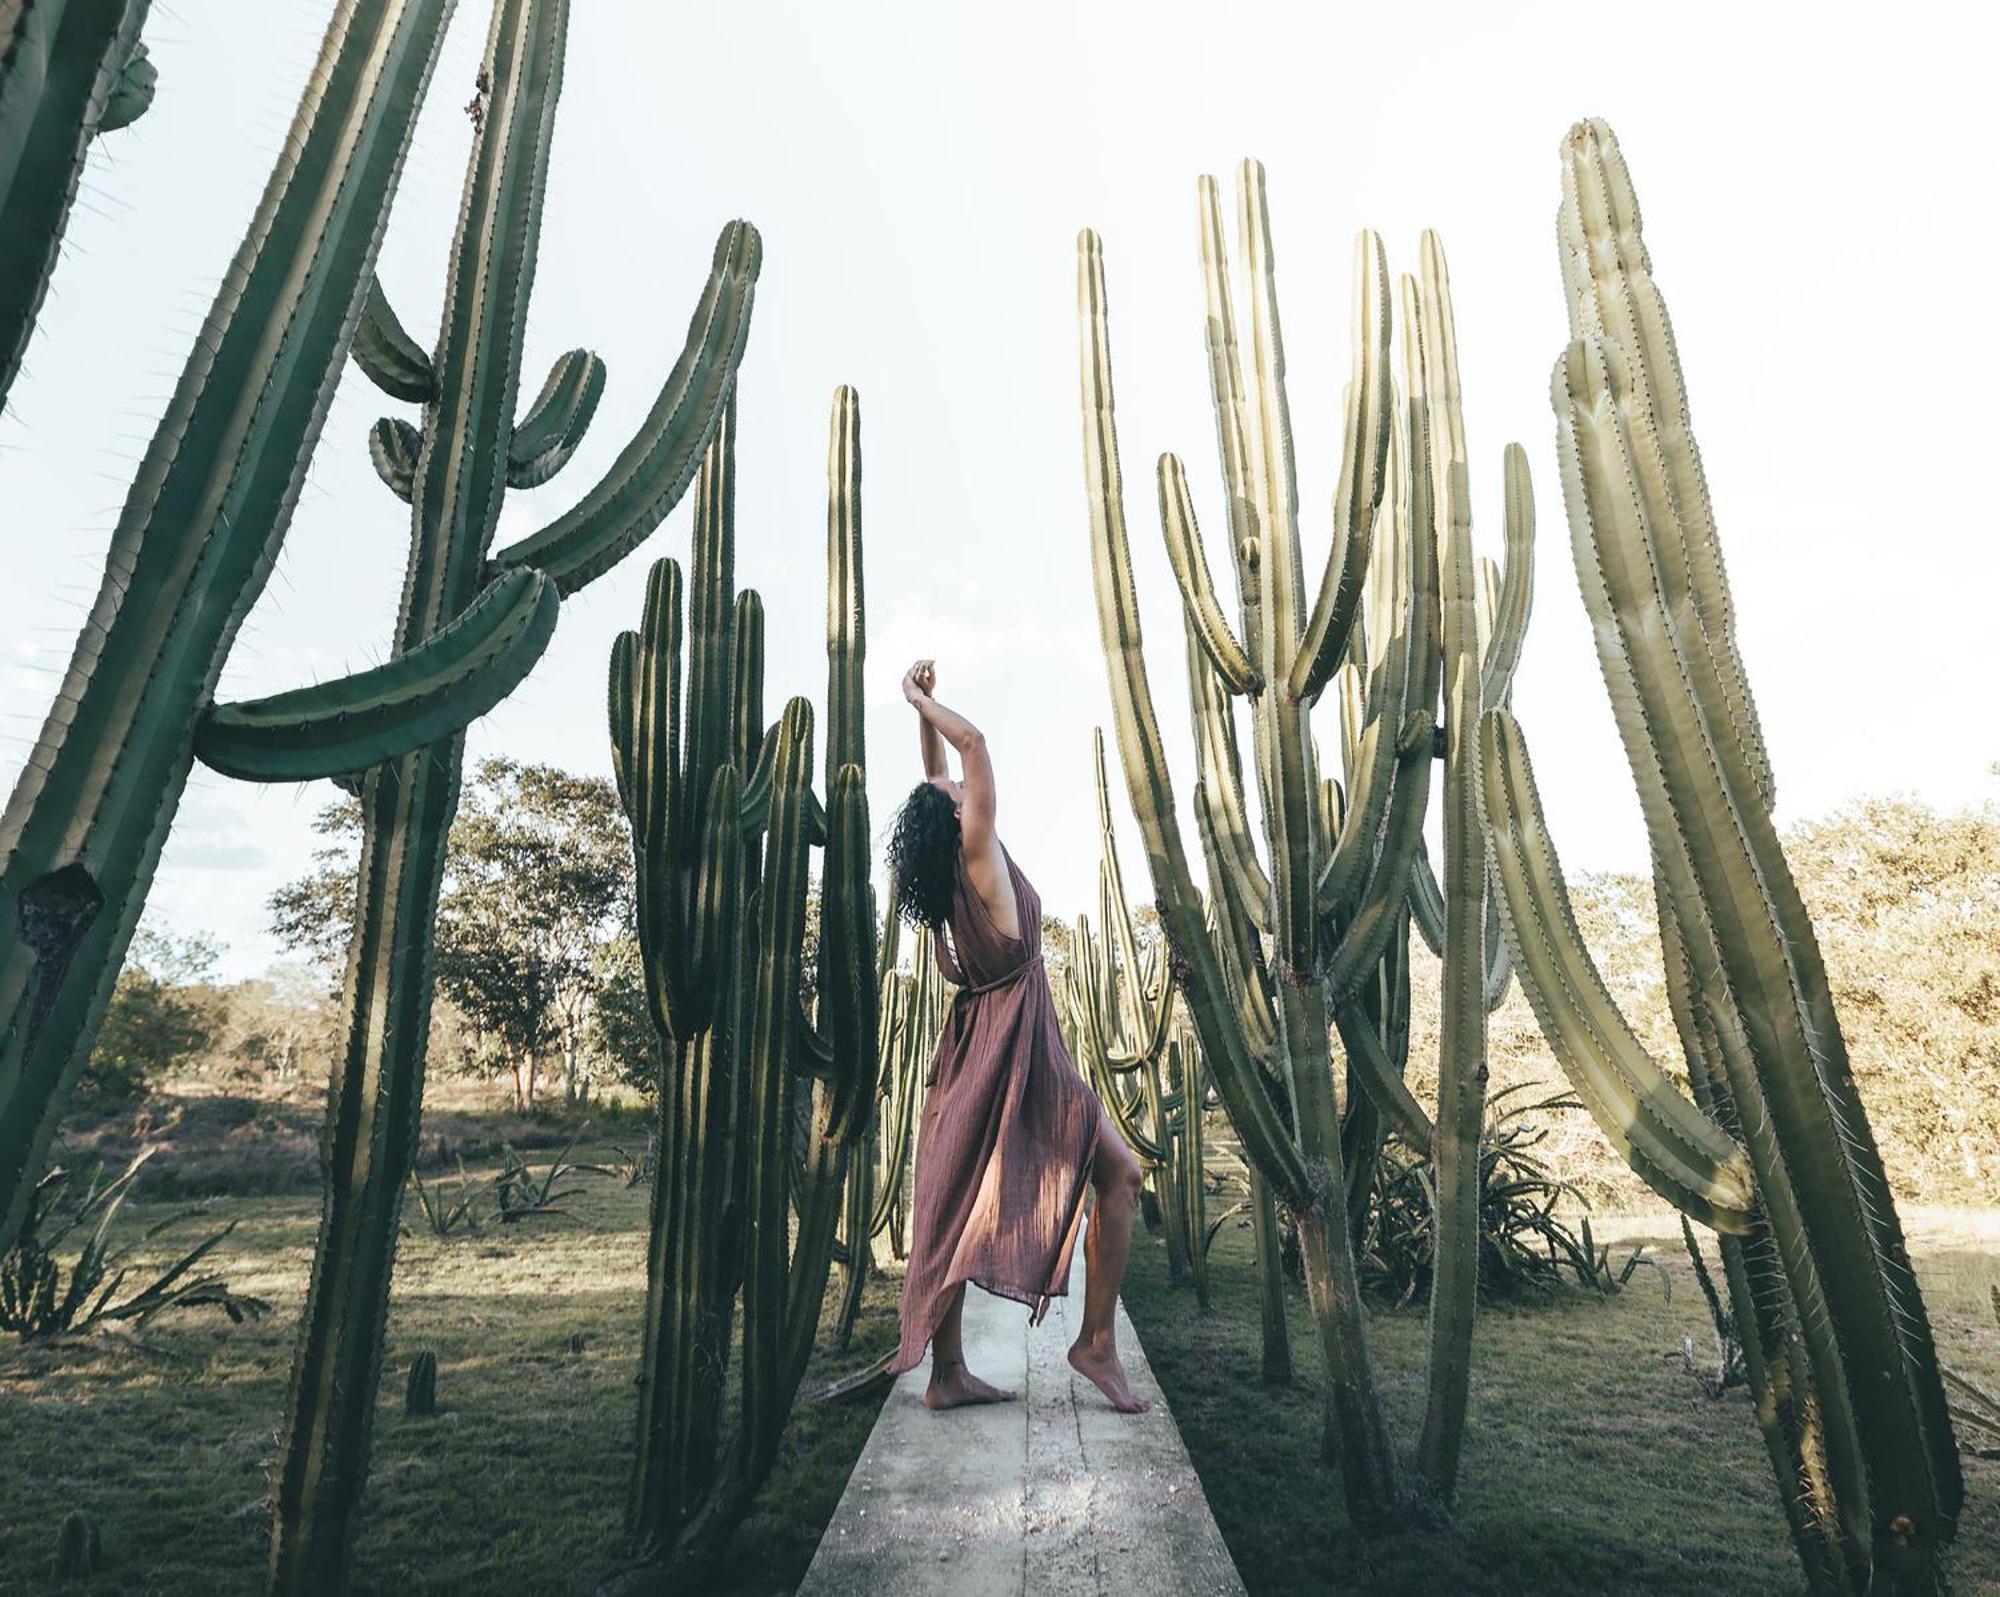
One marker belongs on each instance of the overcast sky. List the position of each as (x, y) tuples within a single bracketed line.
[(1821, 188)]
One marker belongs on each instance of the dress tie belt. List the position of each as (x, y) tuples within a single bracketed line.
[(1008, 980)]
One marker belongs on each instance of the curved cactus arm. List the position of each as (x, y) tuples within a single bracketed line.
[(1501, 638), (1233, 865), (1143, 757), (654, 469), (1232, 423), (394, 361), (1619, 487), (1380, 1078), (1372, 764), (1366, 937), (1190, 564), (394, 447), (1426, 900), (68, 72), (1363, 461), (1669, 1143), (391, 709), (1286, 779), (1148, 994), (546, 438), (1608, 275), (1246, 976)]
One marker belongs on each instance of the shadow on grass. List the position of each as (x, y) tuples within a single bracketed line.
[(519, 1482), (1593, 1462)]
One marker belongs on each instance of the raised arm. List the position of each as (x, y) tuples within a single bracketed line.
[(918, 682), (978, 806)]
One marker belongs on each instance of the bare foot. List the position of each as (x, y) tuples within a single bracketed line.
[(1101, 1365), (960, 1386)]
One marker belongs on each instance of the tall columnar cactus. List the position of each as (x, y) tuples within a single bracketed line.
[(1297, 943), (912, 1009), (201, 527), (69, 70), (1837, 1343), (461, 605), (1120, 1000), (721, 930)]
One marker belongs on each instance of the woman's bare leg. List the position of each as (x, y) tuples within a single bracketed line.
[(952, 1384), (1107, 1242)]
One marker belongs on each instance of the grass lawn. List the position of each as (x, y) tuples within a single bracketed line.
[(1593, 1462), (518, 1485)]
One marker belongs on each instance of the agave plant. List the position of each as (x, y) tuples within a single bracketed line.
[(43, 1294)]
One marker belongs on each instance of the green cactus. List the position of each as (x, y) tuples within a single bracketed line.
[(420, 1392), (1776, 1151), (69, 70), (201, 527), (1122, 1017), (721, 932), (1283, 951), (912, 1010), (471, 623), (79, 1547)]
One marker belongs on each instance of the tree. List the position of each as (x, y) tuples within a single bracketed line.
[(538, 886), (538, 880), (162, 1010)]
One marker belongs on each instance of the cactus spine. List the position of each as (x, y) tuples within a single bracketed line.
[(1302, 943), (742, 1125), (475, 622), (69, 70), (1840, 1352), (201, 527)]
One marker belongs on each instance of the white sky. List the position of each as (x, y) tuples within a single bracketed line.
[(1821, 188)]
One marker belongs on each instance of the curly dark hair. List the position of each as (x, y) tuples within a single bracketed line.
[(923, 855)]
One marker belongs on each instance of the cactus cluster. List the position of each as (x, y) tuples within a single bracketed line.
[(761, 1105), (1139, 1054), (472, 622), (912, 1010), (1775, 1150), (1308, 936), (69, 70)]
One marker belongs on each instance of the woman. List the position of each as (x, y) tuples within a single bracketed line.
[(1011, 1135)]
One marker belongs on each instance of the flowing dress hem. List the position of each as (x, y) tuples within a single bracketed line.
[(1036, 1299)]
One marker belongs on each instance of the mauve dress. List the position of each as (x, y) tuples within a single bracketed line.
[(1009, 1128)]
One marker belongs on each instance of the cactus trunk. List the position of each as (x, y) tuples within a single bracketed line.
[(200, 530), (1837, 1344), (469, 450)]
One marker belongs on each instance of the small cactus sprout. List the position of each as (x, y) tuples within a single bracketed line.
[(79, 1547), (420, 1396)]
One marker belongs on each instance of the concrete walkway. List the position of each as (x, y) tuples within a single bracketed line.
[(1054, 1494)]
